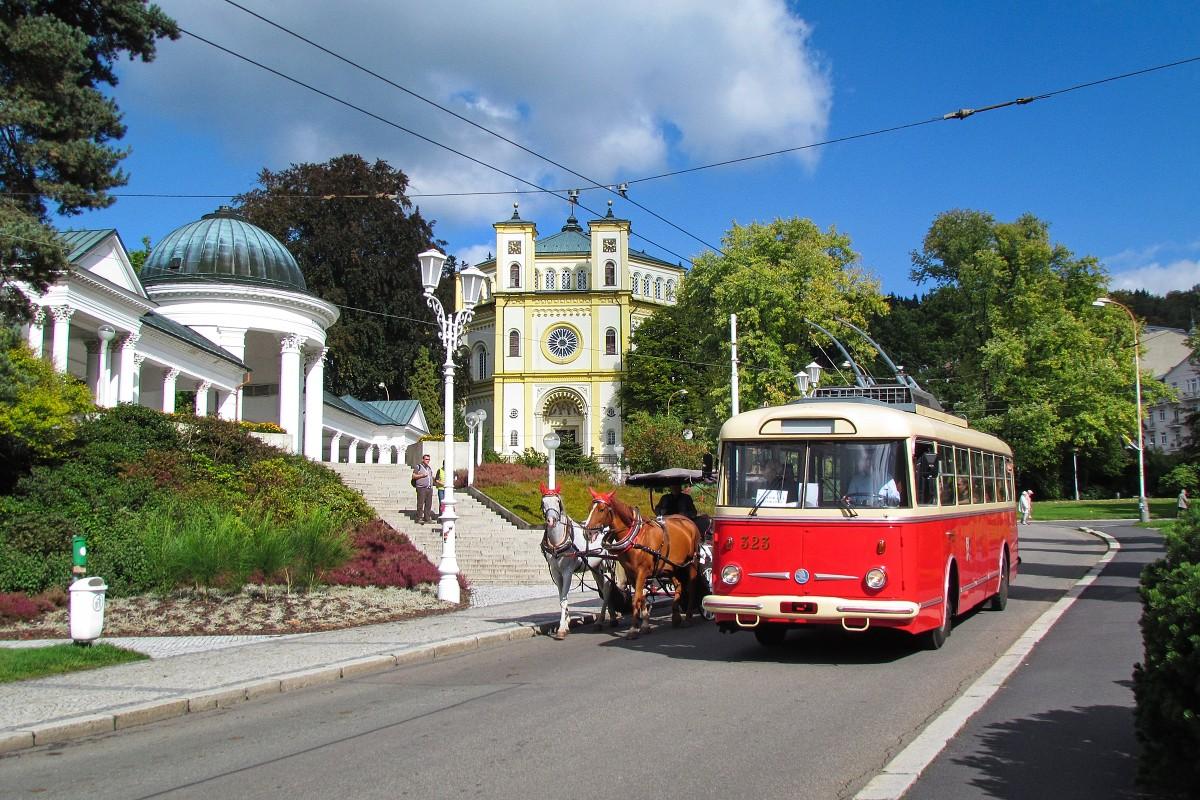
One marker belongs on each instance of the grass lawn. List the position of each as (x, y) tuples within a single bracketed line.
[(1125, 508), (22, 663)]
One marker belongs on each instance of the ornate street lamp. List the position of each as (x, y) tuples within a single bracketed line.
[(1143, 508), (552, 442), (480, 415), (451, 328)]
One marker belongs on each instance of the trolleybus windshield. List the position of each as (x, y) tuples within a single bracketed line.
[(816, 474)]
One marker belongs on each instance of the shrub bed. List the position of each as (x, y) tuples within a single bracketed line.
[(174, 501), (1167, 682)]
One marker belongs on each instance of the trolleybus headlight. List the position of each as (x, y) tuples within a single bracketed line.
[(876, 578), (731, 574)]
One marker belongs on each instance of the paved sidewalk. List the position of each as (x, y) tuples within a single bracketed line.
[(200, 673)]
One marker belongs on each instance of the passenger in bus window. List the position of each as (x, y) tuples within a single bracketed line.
[(867, 489)]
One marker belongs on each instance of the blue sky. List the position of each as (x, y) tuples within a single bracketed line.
[(623, 90)]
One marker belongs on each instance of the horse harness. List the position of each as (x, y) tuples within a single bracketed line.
[(630, 542)]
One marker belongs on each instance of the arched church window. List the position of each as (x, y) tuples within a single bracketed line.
[(646, 286), (637, 280), (514, 276), (658, 289), (481, 363), (610, 342), (514, 343), (537, 279), (549, 279), (581, 280), (512, 439), (610, 274), (612, 436)]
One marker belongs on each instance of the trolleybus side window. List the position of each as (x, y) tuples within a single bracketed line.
[(1008, 480), (925, 473), (962, 468), (989, 478), (976, 477), (946, 468)]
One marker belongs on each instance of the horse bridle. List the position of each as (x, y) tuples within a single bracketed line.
[(568, 541)]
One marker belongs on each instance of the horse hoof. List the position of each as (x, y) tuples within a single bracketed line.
[(559, 635)]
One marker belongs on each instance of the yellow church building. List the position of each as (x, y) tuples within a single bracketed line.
[(549, 338)]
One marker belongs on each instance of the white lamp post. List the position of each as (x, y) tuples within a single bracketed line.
[(383, 386), (620, 451), (451, 328), (1143, 509), (679, 392), (801, 379), (814, 374), (552, 442), (480, 415), (473, 421)]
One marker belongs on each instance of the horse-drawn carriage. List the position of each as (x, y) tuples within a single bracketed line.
[(630, 557)]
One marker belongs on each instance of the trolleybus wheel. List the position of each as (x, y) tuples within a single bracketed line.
[(1000, 598), (770, 635), (935, 638)]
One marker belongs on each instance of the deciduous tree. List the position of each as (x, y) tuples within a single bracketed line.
[(56, 124)]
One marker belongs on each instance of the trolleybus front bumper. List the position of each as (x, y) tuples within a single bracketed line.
[(748, 612)]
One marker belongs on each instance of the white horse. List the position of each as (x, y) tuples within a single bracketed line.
[(570, 548)]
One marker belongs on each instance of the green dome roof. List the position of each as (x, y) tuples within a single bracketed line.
[(223, 247)]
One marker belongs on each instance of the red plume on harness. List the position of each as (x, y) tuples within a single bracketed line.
[(546, 490), (602, 498)]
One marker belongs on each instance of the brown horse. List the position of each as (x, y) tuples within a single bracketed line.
[(648, 549)]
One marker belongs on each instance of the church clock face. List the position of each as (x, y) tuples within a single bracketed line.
[(562, 342)]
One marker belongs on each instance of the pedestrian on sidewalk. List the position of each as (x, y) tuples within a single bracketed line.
[(1182, 503), (1025, 506), (423, 482), (439, 483)]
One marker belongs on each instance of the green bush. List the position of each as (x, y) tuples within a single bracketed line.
[(199, 545), (1183, 476), (269, 548), (1167, 683), (531, 458)]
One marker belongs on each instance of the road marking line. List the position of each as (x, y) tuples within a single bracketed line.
[(903, 770)]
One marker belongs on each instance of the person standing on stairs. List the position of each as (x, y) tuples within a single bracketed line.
[(439, 483), (423, 483)]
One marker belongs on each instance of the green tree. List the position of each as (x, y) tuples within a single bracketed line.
[(57, 125), (38, 408), (774, 276), (138, 257), (654, 442), (425, 386), (1023, 353), (356, 237)]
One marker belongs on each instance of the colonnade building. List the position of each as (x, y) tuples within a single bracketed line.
[(550, 336), (220, 312)]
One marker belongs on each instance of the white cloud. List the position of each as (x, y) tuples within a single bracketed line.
[(1159, 278), (614, 90)]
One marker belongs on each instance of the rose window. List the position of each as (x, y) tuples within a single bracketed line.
[(562, 342)]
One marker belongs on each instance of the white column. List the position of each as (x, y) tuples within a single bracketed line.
[(168, 403), (369, 455), (289, 386), (104, 375), (61, 334), (95, 381), (36, 332), (335, 447), (202, 398), (352, 453), (314, 403), (126, 367), (227, 403), (138, 358)]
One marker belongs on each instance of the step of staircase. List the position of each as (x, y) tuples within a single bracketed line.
[(489, 549)]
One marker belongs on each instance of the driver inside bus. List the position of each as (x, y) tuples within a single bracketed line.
[(868, 489)]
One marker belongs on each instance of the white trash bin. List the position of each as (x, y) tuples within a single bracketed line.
[(87, 609)]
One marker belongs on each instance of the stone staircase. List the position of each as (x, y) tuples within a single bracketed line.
[(490, 550)]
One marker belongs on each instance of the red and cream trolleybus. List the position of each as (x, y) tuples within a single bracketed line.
[(862, 507)]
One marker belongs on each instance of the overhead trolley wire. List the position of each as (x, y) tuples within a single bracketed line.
[(595, 184), (409, 131)]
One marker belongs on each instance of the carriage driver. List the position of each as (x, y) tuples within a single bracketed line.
[(677, 502)]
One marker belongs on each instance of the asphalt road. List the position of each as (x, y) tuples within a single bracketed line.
[(677, 713)]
